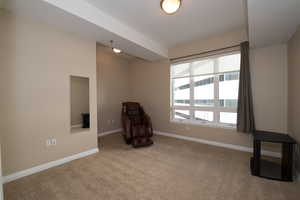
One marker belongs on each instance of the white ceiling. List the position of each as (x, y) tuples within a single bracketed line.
[(196, 19), (140, 28), (272, 21), (87, 21)]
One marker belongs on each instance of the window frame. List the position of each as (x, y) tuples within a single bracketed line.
[(192, 108)]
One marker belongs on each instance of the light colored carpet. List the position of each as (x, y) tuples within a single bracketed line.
[(169, 170)]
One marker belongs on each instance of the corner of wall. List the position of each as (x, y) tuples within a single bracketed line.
[(50, 87), (113, 87)]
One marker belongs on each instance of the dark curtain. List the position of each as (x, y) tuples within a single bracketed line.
[(245, 114)]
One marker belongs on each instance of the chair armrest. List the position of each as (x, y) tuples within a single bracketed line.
[(148, 123), (126, 123)]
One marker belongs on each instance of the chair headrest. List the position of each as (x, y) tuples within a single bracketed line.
[(131, 108)]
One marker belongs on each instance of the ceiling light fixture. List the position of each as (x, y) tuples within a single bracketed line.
[(170, 6), (116, 50), (113, 48)]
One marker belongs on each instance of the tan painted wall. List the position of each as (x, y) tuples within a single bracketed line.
[(113, 88), (79, 98), (212, 43), (153, 91), (152, 81), (269, 81), (36, 63), (294, 91), (1, 4), (1, 178), (294, 85)]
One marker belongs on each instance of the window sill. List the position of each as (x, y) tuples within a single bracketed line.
[(204, 124)]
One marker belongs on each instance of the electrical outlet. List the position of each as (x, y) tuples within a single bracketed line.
[(51, 142), (48, 142)]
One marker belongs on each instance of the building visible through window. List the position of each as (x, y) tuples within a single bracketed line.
[(205, 91)]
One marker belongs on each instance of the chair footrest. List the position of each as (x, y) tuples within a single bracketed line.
[(136, 143)]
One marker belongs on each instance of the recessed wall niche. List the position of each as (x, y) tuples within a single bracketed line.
[(80, 109)]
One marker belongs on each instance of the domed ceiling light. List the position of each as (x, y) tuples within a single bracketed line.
[(170, 6)]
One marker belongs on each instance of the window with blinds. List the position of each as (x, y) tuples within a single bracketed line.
[(205, 91)]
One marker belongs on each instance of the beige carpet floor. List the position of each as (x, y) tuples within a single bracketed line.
[(169, 170)]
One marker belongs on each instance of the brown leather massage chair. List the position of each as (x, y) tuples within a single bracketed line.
[(136, 124)]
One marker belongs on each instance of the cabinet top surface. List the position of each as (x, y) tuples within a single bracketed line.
[(273, 137)]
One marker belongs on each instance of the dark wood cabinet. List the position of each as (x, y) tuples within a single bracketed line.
[(269, 169)]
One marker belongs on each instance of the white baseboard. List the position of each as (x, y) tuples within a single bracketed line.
[(218, 144), (109, 132), (48, 165)]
